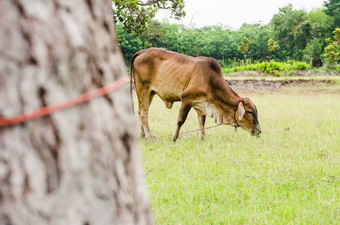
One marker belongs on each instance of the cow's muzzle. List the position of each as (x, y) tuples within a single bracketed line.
[(256, 131)]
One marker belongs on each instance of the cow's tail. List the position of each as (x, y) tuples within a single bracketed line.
[(132, 70)]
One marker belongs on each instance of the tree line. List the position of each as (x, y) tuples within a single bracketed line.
[(291, 35)]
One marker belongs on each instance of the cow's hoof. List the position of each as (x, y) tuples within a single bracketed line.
[(174, 138)]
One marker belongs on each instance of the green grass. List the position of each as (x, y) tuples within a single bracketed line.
[(290, 175)]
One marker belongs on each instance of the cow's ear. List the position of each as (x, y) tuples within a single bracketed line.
[(241, 111)]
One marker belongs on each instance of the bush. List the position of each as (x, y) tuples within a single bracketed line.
[(300, 66), (278, 74), (274, 68), (337, 68)]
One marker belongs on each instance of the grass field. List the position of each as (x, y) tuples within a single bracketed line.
[(290, 175)]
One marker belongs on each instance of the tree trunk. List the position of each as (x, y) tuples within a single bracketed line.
[(81, 165)]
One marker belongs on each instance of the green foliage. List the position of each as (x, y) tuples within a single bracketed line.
[(333, 10), (332, 50), (258, 34), (128, 43), (136, 14), (272, 47), (300, 66), (313, 51), (337, 68), (244, 48), (321, 24), (299, 36), (274, 68), (291, 29)]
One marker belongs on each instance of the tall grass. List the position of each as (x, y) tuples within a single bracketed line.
[(290, 175), (272, 68)]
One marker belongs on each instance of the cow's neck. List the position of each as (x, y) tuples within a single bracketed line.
[(225, 99), (225, 96)]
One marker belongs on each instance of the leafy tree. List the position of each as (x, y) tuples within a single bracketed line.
[(312, 52), (272, 47), (262, 36), (333, 10), (259, 35), (128, 43), (321, 24), (291, 29), (217, 43), (191, 41), (244, 48), (171, 38), (153, 34), (301, 35), (136, 14), (332, 50)]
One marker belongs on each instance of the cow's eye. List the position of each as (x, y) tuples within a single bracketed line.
[(250, 112)]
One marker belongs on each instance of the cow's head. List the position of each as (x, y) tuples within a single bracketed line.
[(246, 116)]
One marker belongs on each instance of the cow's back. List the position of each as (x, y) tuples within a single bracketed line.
[(168, 73)]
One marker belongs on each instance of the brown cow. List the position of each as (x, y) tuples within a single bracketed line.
[(195, 81)]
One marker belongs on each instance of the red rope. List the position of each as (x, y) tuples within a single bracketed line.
[(48, 110), (238, 102)]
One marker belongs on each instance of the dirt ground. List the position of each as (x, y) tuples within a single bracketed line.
[(253, 80), (251, 84)]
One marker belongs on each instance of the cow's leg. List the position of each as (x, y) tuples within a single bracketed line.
[(142, 133), (201, 122), (182, 116), (143, 115), (145, 99)]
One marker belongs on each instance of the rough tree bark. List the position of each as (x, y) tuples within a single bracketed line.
[(81, 165)]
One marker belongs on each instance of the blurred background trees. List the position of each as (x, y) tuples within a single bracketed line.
[(301, 36)]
